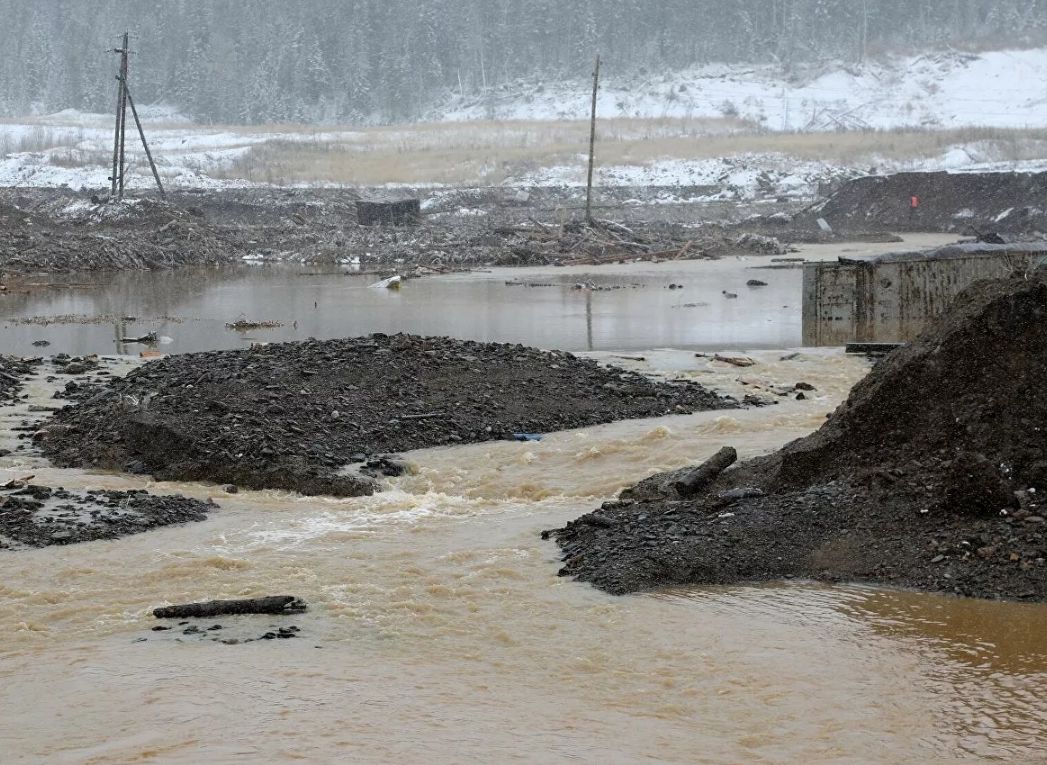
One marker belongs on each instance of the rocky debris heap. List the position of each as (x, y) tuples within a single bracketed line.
[(289, 415), (39, 516), (577, 243), (961, 202), (54, 230), (932, 475), (156, 237)]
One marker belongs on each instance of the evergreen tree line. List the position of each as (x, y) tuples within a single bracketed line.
[(364, 60)]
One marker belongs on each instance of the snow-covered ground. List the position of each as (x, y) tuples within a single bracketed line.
[(939, 90), (658, 122)]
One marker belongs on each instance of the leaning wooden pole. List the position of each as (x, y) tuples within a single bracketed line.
[(592, 147), (145, 144)]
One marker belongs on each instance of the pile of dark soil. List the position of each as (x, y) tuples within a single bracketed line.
[(38, 516), (932, 475), (961, 202), (288, 416)]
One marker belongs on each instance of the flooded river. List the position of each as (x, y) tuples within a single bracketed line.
[(438, 631)]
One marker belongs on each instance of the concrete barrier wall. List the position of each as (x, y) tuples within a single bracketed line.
[(891, 299)]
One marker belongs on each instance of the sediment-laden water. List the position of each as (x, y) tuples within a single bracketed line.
[(439, 632)]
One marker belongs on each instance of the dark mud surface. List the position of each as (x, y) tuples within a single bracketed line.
[(288, 416), (932, 475), (39, 516)]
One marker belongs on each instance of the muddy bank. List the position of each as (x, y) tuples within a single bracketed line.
[(289, 415), (1005, 203), (13, 372), (931, 475), (39, 516)]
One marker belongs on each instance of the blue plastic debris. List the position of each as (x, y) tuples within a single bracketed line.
[(527, 437)]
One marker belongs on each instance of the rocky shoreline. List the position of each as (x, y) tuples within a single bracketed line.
[(930, 476)]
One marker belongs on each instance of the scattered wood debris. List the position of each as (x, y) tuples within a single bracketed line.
[(243, 325)]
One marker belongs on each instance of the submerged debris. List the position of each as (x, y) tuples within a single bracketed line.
[(243, 325)]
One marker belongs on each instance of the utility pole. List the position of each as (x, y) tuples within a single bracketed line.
[(863, 43), (123, 112), (592, 147), (121, 109), (123, 99)]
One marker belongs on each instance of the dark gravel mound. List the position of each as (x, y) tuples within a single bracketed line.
[(38, 516), (931, 475), (288, 416), (960, 202)]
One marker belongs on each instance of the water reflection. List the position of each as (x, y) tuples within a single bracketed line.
[(619, 308)]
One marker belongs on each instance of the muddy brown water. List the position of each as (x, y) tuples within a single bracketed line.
[(439, 632), (189, 309)]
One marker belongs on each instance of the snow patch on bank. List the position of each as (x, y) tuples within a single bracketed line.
[(938, 90), (743, 177)]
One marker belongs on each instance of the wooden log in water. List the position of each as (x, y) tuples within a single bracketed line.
[(694, 481), (274, 605)]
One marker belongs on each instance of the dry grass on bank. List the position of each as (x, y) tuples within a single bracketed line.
[(491, 152)]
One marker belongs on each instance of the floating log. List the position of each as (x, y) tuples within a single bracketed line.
[(275, 605), (694, 481)]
